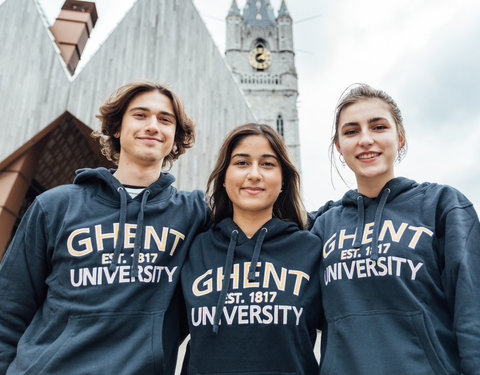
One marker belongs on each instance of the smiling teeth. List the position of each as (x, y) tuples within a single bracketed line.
[(369, 155)]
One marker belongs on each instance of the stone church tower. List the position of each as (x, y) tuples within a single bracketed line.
[(259, 51)]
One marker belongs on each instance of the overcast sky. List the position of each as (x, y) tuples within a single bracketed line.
[(425, 54)]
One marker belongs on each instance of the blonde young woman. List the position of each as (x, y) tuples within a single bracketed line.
[(401, 260)]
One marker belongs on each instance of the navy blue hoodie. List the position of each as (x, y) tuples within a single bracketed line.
[(69, 305), (263, 320), (401, 282)]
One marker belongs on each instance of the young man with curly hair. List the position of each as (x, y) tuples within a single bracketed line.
[(88, 285)]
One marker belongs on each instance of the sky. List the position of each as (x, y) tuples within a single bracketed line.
[(423, 53)]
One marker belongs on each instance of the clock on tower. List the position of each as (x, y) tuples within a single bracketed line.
[(260, 57)]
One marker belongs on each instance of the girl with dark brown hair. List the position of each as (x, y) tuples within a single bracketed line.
[(251, 282)]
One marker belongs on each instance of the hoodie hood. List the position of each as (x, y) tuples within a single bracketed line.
[(390, 191), (109, 188), (275, 227), (396, 186), (109, 185)]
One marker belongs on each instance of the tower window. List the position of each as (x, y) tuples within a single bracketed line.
[(280, 125)]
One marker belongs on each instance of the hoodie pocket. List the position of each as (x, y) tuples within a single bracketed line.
[(380, 342), (107, 343), (427, 343)]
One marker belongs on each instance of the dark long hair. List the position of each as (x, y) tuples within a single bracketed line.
[(288, 205)]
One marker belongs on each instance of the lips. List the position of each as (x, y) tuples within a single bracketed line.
[(253, 190), (146, 138), (368, 155)]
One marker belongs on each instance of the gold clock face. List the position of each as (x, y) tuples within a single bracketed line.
[(260, 58)]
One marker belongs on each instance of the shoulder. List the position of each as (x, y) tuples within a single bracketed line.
[(451, 207), (59, 194), (287, 233), (191, 201), (194, 195), (314, 215), (206, 236), (306, 239), (206, 244), (439, 197), (448, 195)]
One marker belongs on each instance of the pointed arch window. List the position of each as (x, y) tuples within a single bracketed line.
[(280, 129)]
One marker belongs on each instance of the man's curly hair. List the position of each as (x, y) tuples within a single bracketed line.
[(112, 111)]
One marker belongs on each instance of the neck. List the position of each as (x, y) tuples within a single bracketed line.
[(250, 222), (372, 187), (137, 175)]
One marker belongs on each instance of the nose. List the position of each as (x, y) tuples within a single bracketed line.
[(152, 125), (366, 138), (254, 172)]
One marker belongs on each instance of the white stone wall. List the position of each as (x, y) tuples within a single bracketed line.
[(285, 34), (33, 84), (234, 24)]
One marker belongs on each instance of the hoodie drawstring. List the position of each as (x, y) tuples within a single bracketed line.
[(227, 271), (376, 225), (139, 233), (360, 223), (121, 227), (256, 254)]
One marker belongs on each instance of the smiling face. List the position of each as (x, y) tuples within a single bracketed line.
[(147, 132), (253, 179), (369, 142)]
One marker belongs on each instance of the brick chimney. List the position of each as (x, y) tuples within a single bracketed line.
[(72, 29)]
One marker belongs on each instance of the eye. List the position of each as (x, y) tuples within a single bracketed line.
[(240, 162), (139, 115), (350, 132), (380, 127), (167, 120), (269, 164)]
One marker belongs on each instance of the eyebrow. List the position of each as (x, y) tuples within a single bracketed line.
[(146, 109), (248, 155), (370, 121)]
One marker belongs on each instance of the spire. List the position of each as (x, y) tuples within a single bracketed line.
[(283, 10), (234, 9), (258, 13)]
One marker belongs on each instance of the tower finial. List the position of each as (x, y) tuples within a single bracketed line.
[(234, 9), (283, 11)]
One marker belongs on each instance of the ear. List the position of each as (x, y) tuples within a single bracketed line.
[(401, 142), (117, 134), (337, 146)]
